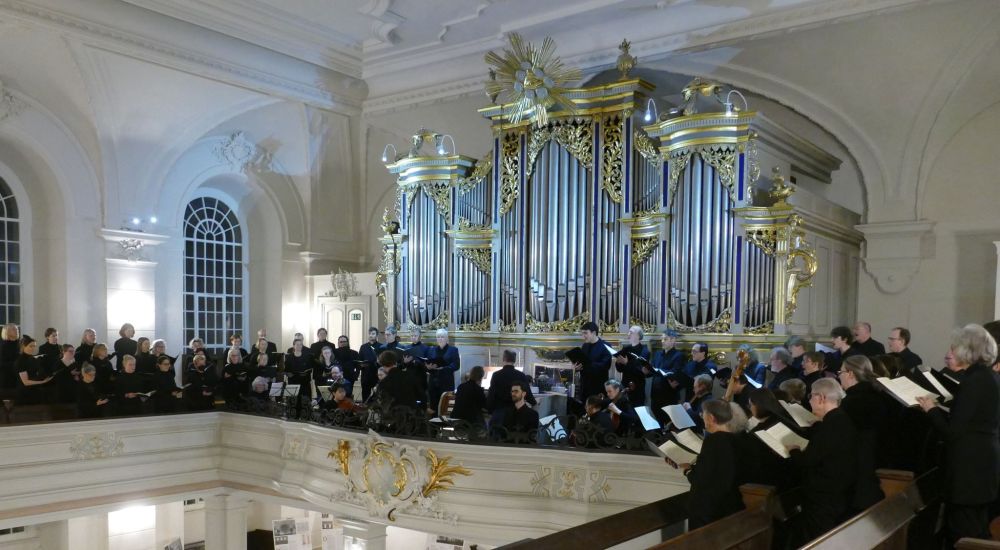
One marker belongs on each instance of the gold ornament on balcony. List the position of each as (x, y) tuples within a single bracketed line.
[(531, 79)]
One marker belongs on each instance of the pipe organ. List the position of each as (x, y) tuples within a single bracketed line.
[(593, 215)]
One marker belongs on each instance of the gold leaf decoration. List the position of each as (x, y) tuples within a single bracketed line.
[(646, 148), (766, 328), (441, 474), (479, 326), (465, 225), (510, 173), (719, 325), (647, 328), (342, 454), (764, 238), (532, 79), (576, 136), (509, 327), (482, 258), (724, 162), (753, 157), (479, 174), (611, 157), (567, 325), (678, 164), (801, 264), (642, 249), (440, 192)]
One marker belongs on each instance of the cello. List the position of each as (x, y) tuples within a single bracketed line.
[(742, 359)]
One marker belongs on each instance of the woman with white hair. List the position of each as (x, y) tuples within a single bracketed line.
[(442, 364), (972, 458)]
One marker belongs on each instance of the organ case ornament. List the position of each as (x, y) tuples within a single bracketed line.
[(611, 154), (531, 79)]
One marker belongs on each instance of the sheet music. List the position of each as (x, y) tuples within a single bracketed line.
[(800, 414), (751, 381), (689, 440), (945, 394), (673, 451), (779, 437), (648, 422), (552, 426), (611, 350), (679, 416), (905, 390), (824, 349)]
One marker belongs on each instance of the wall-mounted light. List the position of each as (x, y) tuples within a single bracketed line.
[(385, 152), (440, 144), (152, 219), (651, 114), (730, 111)]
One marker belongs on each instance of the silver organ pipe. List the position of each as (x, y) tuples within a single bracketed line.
[(428, 269)]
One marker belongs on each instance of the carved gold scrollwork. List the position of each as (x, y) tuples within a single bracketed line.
[(753, 157), (642, 249), (802, 265), (481, 171), (480, 326), (480, 257), (720, 324), (764, 238), (509, 327), (441, 473), (465, 225), (678, 164), (440, 192), (724, 162), (441, 321), (568, 325), (510, 172), (647, 328), (577, 136), (606, 327), (611, 157), (646, 148), (411, 191), (766, 328)]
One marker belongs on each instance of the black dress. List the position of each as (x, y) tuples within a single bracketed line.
[(126, 383), (32, 367), (87, 396), (716, 479), (164, 401), (123, 347), (867, 408), (9, 350)]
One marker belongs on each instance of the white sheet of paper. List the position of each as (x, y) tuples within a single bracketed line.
[(779, 437), (673, 451), (937, 386), (950, 377), (753, 382), (689, 440), (648, 422), (679, 416), (905, 390), (611, 350), (802, 417), (552, 426), (824, 349)]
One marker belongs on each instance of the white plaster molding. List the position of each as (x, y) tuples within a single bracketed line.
[(893, 252), (384, 22), (242, 154), (99, 445), (10, 106), (318, 91)]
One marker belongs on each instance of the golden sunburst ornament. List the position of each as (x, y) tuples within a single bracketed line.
[(531, 78)]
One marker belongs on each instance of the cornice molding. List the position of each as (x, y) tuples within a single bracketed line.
[(191, 61), (893, 252)]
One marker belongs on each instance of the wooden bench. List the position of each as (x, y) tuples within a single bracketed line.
[(750, 529)]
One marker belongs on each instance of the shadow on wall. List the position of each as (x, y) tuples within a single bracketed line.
[(974, 296)]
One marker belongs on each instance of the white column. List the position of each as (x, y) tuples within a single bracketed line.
[(88, 532), (996, 295), (225, 522), (371, 534), (169, 523)]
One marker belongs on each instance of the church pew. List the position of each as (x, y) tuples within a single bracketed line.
[(885, 525), (977, 544), (750, 529)]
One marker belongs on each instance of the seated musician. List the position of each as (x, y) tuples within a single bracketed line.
[(623, 416), (702, 393), (470, 399), (340, 401), (396, 390), (719, 471), (260, 390), (755, 369), (520, 421), (90, 401), (594, 428)]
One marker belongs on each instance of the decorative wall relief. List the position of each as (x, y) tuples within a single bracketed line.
[(242, 154), (91, 446), (390, 478), (294, 448)]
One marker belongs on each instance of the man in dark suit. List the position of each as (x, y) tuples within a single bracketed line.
[(828, 465), (864, 342), (414, 365), (668, 364), (781, 369), (594, 368), (698, 365), (502, 380), (629, 363), (899, 342), (519, 419), (443, 362)]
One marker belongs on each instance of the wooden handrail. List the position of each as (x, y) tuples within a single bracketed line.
[(614, 529), (977, 544), (749, 529)]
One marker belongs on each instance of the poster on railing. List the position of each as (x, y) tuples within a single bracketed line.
[(331, 537), (291, 534)]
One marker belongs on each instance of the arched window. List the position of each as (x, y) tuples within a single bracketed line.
[(213, 273), (10, 257)]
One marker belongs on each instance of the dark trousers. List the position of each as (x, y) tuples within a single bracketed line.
[(366, 388), (967, 521)]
